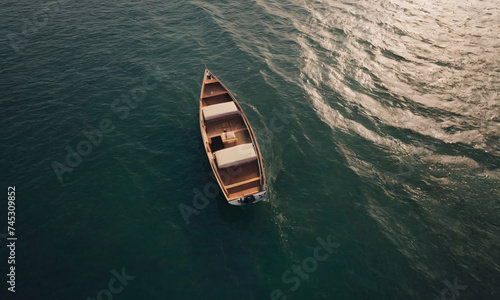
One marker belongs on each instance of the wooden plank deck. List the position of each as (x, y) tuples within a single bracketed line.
[(218, 127), (213, 89), (240, 173), (243, 182), (244, 190), (216, 100)]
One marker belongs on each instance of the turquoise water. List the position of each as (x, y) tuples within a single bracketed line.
[(379, 125)]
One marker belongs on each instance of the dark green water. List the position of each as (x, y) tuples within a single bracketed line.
[(379, 124)]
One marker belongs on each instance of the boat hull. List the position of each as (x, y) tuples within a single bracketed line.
[(230, 144)]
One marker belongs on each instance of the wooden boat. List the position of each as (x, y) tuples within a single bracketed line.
[(230, 144)]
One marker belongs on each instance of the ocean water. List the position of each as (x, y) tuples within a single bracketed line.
[(378, 121)]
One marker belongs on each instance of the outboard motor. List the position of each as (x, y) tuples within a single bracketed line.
[(249, 199)]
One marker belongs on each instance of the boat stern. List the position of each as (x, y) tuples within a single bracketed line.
[(249, 199)]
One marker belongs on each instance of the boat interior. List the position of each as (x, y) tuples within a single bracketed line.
[(230, 141)]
